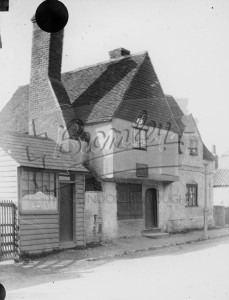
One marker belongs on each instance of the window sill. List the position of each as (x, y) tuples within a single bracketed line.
[(191, 206), (144, 149)]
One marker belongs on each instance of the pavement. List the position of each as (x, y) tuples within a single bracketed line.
[(53, 266), (188, 268), (125, 246)]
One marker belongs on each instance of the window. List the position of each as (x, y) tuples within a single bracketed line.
[(139, 131), (191, 194), (139, 138), (193, 147), (35, 181)]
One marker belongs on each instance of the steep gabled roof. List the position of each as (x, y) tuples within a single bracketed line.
[(221, 178), (30, 151), (96, 91), (120, 88)]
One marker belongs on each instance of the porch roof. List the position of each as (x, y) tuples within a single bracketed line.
[(37, 152)]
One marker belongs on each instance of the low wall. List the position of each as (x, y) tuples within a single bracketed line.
[(130, 227), (178, 225)]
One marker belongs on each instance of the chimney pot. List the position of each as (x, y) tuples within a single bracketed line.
[(118, 53), (214, 149)]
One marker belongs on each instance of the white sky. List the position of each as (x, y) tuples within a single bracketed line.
[(187, 40)]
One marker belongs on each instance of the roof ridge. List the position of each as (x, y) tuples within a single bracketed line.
[(105, 62)]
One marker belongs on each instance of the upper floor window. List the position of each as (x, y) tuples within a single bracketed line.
[(193, 147), (192, 194), (139, 131)]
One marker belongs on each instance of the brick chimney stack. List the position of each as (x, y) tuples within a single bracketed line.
[(49, 104)]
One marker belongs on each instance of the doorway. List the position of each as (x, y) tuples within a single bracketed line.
[(66, 212), (151, 209)]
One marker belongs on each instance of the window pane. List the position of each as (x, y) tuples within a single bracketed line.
[(25, 185), (143, 138), (32, 187), (39, 176), (46, 177), (39, 185), (51, 176), (136, 137), (191, 195), (31, 175), (25, 175)]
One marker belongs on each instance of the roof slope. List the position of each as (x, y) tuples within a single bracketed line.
[(221, 178), (15, 115), (37, 152), (207, 155), (145, 93), (179, 117), (177, 112), (102, 91), (96, 91)]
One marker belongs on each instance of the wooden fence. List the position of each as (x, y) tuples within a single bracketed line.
[(8, 228)]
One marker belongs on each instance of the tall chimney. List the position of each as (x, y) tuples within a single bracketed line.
[(216, 157), (48, 98)]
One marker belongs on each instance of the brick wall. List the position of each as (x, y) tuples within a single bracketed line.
[(48, 99)]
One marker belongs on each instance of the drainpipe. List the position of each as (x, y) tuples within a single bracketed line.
[(205, 234)]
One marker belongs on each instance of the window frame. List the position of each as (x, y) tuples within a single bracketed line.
[(138, 144), (193, 147), (192, 203), (55, 194)]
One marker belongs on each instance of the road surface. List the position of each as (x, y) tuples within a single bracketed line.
[(195, 271)]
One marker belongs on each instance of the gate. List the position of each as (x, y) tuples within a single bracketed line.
[(8, 225)]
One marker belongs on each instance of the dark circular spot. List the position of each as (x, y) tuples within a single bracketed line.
[(2, 292), (51, 15)]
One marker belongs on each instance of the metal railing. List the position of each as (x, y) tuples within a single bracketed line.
[(8, 228)]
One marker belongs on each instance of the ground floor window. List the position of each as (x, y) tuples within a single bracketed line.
[(129, 200), (38, 181), (192, 194)]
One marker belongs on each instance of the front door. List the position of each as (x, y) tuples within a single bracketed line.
[(66, 212), (151, 216)]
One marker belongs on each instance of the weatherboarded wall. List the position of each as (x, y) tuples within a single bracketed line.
[(40, 232), (8, 177)]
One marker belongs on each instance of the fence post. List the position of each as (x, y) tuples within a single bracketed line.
[(16, 234)]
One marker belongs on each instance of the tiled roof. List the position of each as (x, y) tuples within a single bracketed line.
[(38, 152), (120, 87), (177, 112), (221, 178), (207, 155), (97, 91)]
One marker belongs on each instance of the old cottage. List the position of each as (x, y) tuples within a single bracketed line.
[(140, 161)]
